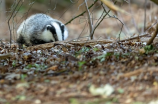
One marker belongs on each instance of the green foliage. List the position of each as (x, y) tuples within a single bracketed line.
[(47, 81), (74, 101), (80, 64), (95, 49), (138, 103), (14, 63), (19, 97), (123, 55), (82, 50), (23, 76), (37, 66), (121, 91), (149, 49), (117, 55), (102, 57)]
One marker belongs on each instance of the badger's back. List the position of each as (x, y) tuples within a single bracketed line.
[(33, 25)]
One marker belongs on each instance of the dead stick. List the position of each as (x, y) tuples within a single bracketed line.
[(154, 35), (103, 41), (138, 71), (134, 38), (70, 44), (89, 20), (49, 45)]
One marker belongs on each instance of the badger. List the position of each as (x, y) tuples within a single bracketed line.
[(40, 29)]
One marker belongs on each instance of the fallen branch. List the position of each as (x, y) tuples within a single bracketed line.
[(138, 71), (49, 45), (4, 56), (83, 42), (91, 42), (137, 37)]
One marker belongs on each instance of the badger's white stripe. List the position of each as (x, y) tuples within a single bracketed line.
[(58, 30), (65, 34)]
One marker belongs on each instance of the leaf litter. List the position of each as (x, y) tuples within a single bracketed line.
[(79, 72)]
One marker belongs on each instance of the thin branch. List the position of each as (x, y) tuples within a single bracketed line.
[(154, 35), (81, 13), (26, 14), (65, 11), (107, 13), (136, 37), (82, 30), (101, 14), (73, 1), (121, 26), (97, 24), (133, 16), (145, 15), (15, 15), (89, 19), (9, 21)]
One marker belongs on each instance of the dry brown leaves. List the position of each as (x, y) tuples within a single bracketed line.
[(63, 72)]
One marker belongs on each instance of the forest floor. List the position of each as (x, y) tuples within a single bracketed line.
[(101, 71)]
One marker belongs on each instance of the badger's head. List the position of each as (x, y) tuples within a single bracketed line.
[(54, 31)]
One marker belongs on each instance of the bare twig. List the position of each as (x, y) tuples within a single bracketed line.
[(15, 15), (133, 16), (9, 21), (134, 38), (97, 24), (153, 36), (89, 19), (121, 26), (82, 30), (26, 14), (73, 1), (145, 15), (80, 14), (107, 13)]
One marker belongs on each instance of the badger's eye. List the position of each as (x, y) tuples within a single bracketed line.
[(48, 27)]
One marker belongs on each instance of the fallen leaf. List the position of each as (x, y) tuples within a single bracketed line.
[(53, 68), (12, 76), (142, 51), (104, 91)]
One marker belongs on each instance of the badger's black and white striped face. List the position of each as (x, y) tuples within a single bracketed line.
[(39, 29), (58, 31)]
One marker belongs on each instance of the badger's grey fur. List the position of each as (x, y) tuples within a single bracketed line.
[(39, 29)]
